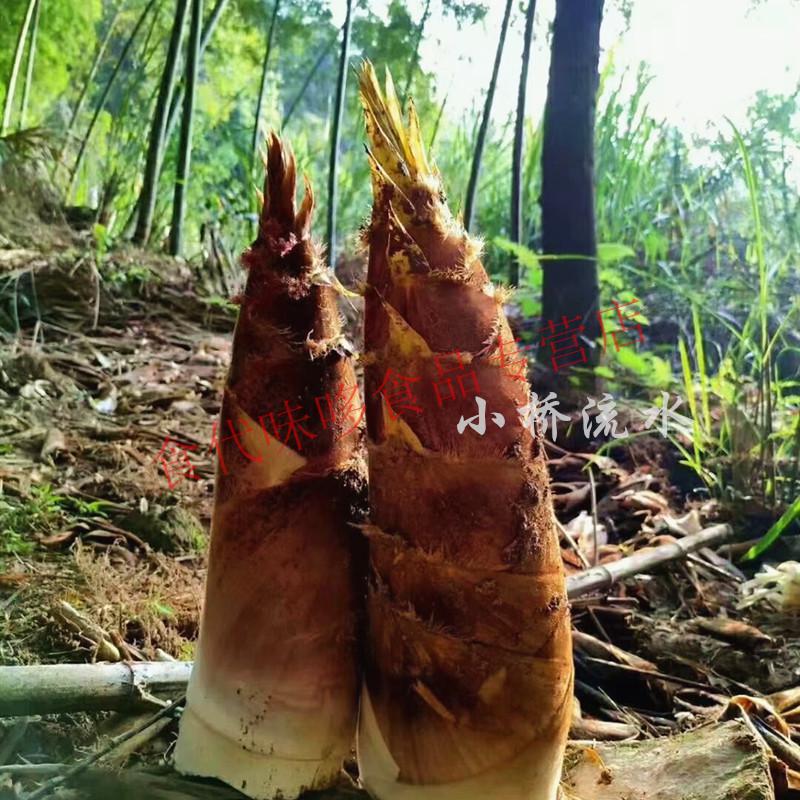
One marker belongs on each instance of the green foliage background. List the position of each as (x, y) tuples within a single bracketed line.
[(67, 33)]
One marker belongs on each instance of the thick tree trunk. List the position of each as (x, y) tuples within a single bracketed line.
[(568, 222), (185, 148), (519, 141), (155, 150), (477, 156)]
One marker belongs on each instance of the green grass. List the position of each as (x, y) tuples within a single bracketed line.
[(23, 518), (774, 533)]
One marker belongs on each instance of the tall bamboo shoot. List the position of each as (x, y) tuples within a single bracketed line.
[(273, 696), (468, 679)]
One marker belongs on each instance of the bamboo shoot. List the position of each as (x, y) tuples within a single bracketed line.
[(468, 680), (272, 698)]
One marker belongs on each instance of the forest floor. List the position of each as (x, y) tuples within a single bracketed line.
[(110, 381)]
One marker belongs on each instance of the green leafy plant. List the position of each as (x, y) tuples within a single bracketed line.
[(22, 518), (102, 241), (623, 365)]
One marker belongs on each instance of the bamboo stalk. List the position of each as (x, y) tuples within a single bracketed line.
[(26, 87), (412, 64), (519, 141), (209, 27), (262, 88), (477, 156), (8, 106), (89, 81), (157, 140), (309, 77), (34, 771), (107, 89), (185, 147), (176, 103), (438, 122), (604, 576), (338, 112), (65, 688), (76, 769)]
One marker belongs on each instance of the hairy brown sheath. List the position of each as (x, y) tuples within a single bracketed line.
[(274, 691), (468, 690)]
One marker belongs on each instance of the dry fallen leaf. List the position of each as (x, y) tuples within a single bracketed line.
[(731, 630), (643, 499)]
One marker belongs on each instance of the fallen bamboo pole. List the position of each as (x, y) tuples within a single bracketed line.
[(602, 577), (59, 688)]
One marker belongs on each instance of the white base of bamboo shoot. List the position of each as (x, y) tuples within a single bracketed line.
[(534, 774), (205, 752)]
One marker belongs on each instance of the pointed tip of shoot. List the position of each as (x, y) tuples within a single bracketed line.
[(277, 201), (279, 183), (395, 145)]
